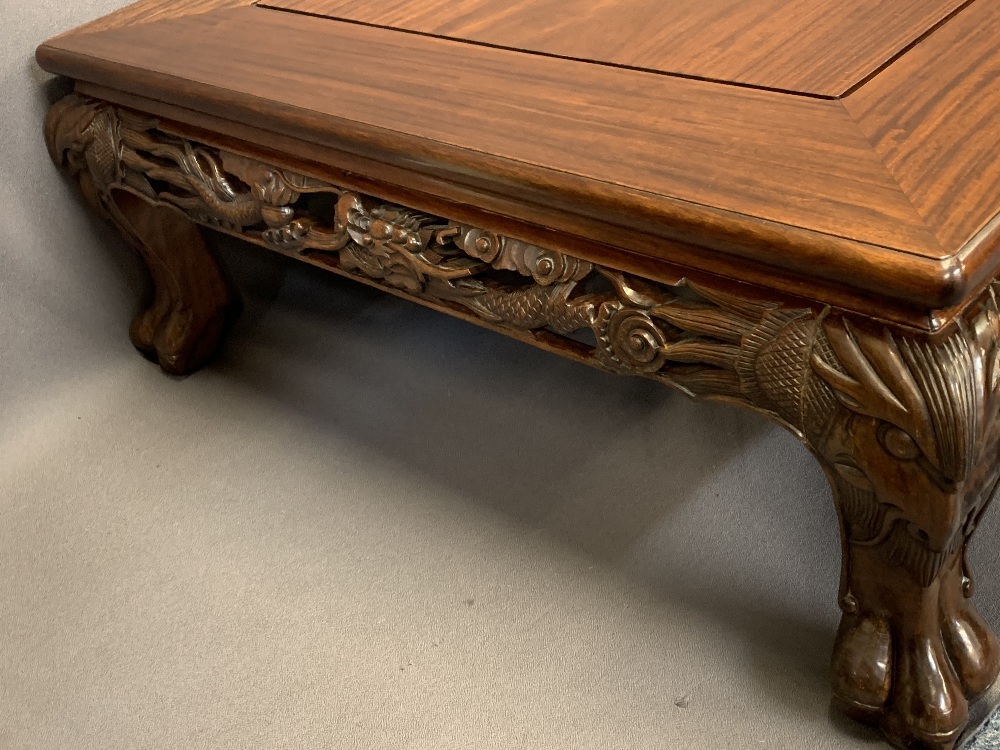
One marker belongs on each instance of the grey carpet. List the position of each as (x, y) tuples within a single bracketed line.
[(369, 526), (988, 738)]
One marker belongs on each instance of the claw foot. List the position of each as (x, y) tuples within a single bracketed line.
[(913, 660), (178, 339)]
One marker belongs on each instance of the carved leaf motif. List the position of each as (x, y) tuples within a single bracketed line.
[(695, 351), (67, 126), (877, 382)]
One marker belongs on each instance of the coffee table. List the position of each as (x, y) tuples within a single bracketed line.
[(788, 205)]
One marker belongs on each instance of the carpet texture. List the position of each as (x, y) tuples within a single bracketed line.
[(369, 526), (988, 738)]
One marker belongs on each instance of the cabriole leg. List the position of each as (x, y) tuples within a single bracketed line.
[(907, 428), (911, 651), (193, 304), (913, 457)]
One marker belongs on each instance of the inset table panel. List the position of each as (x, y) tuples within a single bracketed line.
[(816, 47)]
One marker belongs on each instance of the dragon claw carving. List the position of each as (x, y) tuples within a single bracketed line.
[(906, 424), (913, 657)]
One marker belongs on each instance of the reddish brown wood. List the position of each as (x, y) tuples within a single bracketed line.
[(821, 47), (707, 177), (147, 11), (702, 178), (790, 160), (550, 198), (934, 120), (590, 237), (192, 304)]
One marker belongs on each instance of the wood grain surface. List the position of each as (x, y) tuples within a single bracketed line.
[(934, 118), (820, 47), (759, 212), (882, 198), (791, 160), (147, 11), (592, 236)]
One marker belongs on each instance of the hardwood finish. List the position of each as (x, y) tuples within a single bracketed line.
[(733, 157), (828, 258), (590, 239), (148, 11), (192, 304), (933, 119), (818, 47), (790, 160)]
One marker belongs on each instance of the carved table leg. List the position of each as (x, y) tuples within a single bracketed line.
[(913, 458), (906, 424), (190, 312), (907, 428), (193, 303), (910, 657)]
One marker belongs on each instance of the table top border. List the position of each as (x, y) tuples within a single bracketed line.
[(925, 283)]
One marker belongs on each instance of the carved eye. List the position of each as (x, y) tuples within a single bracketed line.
[(899, 443)]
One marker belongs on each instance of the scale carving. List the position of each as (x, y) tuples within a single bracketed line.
[(906, 425)]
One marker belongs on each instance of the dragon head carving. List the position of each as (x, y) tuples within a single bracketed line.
[(915, 418)]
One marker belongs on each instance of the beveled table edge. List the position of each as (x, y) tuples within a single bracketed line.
[(639, 229)]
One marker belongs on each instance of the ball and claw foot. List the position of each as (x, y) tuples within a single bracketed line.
[(913, 665)]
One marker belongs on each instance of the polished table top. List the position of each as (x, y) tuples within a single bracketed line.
[(843, 151)]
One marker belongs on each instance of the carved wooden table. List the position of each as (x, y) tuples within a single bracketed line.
[(789, 205)]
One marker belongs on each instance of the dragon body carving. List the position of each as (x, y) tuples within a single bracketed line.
[(905, 424)]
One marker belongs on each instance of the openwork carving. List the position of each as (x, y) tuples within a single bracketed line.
[(906, 425)]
